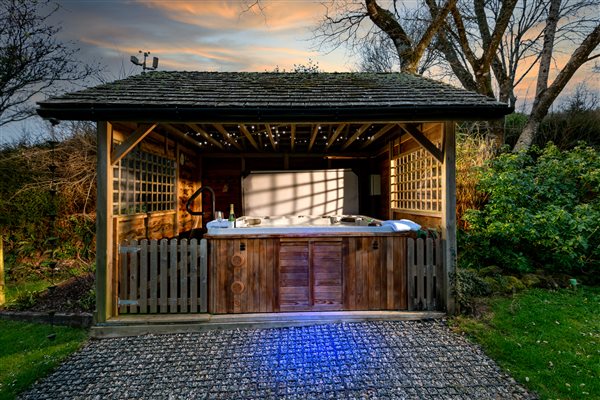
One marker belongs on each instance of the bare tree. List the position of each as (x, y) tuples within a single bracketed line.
[(352, 23), (548, 94), (377, 56), (487, 44), (32, 60)]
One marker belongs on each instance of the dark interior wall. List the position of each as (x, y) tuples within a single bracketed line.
[(224, 176), (383, 167)]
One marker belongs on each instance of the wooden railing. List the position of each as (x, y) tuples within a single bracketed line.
[(425, 274), (162, 276)]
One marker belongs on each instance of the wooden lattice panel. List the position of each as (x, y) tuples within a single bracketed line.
[(143, 182), (416, 182)]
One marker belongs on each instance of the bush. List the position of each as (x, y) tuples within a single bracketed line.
[(543, 211), (473, 151), (468, 285), (46, 221)]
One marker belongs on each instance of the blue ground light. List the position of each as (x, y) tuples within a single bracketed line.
[(367, 360)]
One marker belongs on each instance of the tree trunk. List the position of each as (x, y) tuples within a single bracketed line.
[(409, 52), (545, 99), (548, 46)]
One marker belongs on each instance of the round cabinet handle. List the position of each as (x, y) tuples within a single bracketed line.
[(237, 287), (237, 260)]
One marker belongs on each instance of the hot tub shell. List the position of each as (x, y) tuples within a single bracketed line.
[(307, 263)]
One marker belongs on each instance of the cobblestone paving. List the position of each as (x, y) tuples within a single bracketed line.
[(366, 360)]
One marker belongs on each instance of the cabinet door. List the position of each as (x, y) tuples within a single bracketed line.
[(326, 271), (243, 275), (310, 275), (294, 278)]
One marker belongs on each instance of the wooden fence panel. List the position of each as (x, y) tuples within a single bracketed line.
[(164, 289), (153, 276), (144, 276), (425, 274), (183, 276), (163, 277)]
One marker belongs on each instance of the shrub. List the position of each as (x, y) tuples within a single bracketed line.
[(472, 152), (543, 211), (468, 285)]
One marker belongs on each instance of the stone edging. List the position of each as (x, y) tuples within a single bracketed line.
[(75, 320)]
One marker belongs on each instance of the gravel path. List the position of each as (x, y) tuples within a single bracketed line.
[(366, 360)]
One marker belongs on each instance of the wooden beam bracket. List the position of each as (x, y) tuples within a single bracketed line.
[(420, 138), (132, 140)]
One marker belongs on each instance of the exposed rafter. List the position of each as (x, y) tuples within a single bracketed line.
[(333, 137), (270, 134), (293, 136), (249, 136), (313, 137), (377, 135), (205, 135), (227, 136), (356, 135)]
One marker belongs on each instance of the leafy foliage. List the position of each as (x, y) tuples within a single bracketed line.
[(26, 205), (543, 212)]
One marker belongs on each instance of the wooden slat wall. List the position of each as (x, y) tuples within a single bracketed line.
[(294, 275), (326, 275), (426, 289), (244, 275), (165, 277), (374, 273), (308, 274)]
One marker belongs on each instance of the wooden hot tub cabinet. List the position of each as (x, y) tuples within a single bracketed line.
[(307, 273)]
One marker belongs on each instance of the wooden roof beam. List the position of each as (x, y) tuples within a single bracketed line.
[(202, 133), (270, 134), (180, 135), (248, 135), (293, 136), (356, 135), (377, 135), (420, 138), (313, 137), (335, 135), (132, 140), (227, 136)]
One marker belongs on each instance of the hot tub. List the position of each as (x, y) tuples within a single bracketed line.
[(307, 263), (299, 224)]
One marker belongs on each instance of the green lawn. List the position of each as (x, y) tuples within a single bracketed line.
[(26, 353), (547, 340), (24, 289)]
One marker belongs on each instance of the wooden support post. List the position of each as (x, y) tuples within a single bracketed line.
[(104, 232), (2, 296), (449, 212)]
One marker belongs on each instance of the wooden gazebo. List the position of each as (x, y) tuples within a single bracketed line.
[(163, 135)]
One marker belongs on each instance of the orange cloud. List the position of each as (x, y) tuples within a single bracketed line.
[(234, 15)]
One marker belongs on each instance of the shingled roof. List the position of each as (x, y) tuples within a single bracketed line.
[(284, 97)]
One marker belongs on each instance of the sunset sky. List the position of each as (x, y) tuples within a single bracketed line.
[(208, 35)]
